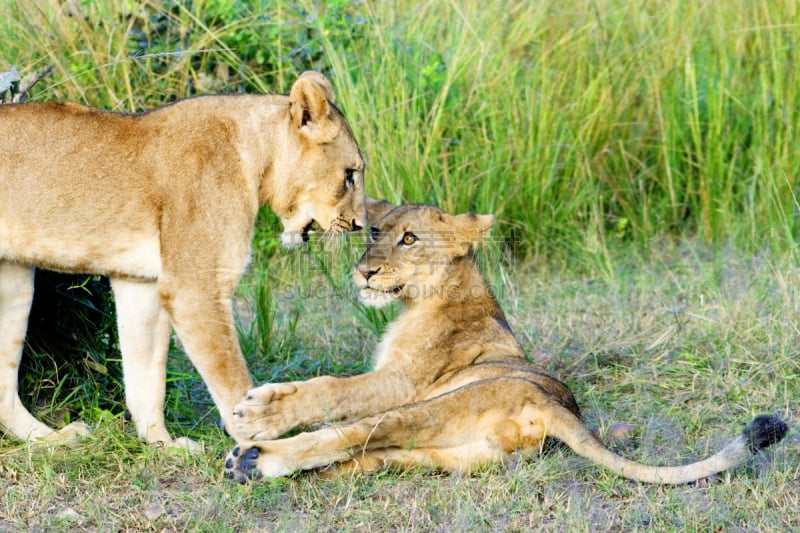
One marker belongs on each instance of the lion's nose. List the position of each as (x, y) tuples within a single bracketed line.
[(355, 225), (367, 272)]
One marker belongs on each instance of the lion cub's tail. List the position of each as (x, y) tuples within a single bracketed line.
[(762, 432)]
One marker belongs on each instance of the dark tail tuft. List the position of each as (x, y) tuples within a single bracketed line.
[(764, 431)]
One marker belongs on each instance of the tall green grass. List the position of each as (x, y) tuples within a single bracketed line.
[(579, 122), (576, 122)]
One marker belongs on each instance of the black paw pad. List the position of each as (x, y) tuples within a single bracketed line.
[(247, 464), (245, 468), (252, 453)]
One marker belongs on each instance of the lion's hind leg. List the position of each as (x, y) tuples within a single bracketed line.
[(457, 431), (16, 295)]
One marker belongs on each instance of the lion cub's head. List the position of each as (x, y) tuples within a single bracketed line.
[(321, 165), (412, 250)]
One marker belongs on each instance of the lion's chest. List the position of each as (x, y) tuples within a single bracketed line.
[(401, 344), (386, 351), (413, 343)]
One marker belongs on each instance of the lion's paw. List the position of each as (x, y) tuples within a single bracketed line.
[(185, 445), (260, 415), (68, 434), (253, 463)]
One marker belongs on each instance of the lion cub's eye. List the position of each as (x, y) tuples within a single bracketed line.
[(374, 232), (408, 239), (349, 178)]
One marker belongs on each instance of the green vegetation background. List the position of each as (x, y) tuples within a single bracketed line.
[(577, 123)]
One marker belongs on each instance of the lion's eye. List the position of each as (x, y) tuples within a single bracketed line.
[(374, 232), (349, 178), (408, 239)]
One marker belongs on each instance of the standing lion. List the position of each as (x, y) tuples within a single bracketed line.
[(164, 203)]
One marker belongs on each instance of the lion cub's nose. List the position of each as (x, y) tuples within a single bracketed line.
[(366, 272)]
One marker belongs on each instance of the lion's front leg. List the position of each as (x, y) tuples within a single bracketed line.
[(205, 328), (271, 410)]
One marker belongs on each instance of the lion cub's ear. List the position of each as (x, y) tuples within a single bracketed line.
[(377, 209), (309, 106), (470, 229)]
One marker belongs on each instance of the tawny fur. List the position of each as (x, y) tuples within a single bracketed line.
[(164, 203), (451, 388)]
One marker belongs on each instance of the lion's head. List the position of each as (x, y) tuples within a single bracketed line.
[(320, 164), (411, 251)]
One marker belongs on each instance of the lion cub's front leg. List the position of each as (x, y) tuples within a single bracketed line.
[(271, 410), (266, 413)]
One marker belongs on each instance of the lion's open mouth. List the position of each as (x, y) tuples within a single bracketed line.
[(394, 290), (312, 227)]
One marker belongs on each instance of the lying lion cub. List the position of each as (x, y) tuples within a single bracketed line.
[(164, 203), (451, 387)]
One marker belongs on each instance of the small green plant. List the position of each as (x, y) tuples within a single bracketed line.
[(265, 332), (71, 361)]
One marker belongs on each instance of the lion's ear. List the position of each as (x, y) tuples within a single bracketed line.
[(377, 209), (321, 80), (309, 106), (471, 229)]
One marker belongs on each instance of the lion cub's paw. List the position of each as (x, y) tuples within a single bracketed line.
[(260, 416), (269, 393), (245, 464)]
